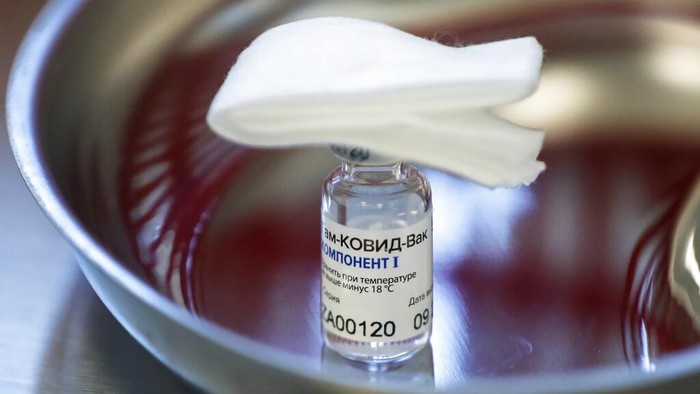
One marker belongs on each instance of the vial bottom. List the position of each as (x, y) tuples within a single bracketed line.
[(376, 354)]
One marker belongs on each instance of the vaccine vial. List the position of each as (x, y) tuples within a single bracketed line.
[(377, 262)]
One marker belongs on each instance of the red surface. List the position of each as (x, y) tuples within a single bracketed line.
[(504, 288), (527, 280)]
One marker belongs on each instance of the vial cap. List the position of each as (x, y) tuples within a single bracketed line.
[(361, 155)]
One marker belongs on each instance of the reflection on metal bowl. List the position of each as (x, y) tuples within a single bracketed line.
[(208, 254)]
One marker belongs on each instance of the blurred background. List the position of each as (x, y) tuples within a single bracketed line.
[(55, 334)]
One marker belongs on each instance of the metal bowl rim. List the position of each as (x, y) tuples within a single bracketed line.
[(23, 92)]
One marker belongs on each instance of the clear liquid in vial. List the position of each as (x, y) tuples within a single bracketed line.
[(379, 198)]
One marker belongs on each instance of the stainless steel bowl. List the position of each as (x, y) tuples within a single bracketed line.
[(84, 63)]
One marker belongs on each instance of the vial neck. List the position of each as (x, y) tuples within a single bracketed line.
[(374, 172)]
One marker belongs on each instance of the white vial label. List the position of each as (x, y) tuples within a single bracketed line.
[(377, 285)]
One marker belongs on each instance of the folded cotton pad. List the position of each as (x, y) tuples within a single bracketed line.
[(361, 83)]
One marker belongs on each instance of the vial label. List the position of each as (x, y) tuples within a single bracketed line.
[(377, 284)]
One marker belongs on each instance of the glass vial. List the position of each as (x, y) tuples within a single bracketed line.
[(377, 266)]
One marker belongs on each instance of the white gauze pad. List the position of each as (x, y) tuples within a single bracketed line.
[(361, 83)]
